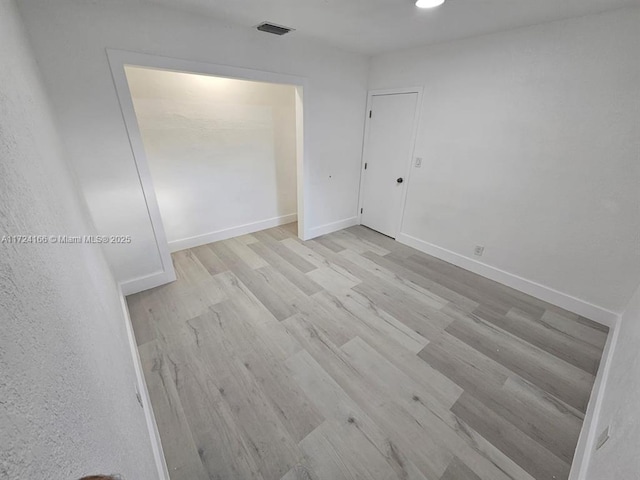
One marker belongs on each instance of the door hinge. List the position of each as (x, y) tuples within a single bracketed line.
[(365, 165), (370, 113), (361, 210)]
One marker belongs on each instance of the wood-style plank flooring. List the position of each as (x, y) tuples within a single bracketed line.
[(354, 357)]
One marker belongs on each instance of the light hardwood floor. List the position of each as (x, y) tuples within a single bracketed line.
[(354, 357)]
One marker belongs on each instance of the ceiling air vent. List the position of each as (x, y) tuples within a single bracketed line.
[(273, 28)]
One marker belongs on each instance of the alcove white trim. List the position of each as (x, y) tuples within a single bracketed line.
[(118, 59)]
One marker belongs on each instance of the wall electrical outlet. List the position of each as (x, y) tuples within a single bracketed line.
[(418, 162), (603, 438), (478, 251)]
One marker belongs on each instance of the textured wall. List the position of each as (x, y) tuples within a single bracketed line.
[(222, 152), (67, 398), (618, 459), (530, 141)]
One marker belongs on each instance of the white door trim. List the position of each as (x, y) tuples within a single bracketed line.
[(414, 136), (117, 61)]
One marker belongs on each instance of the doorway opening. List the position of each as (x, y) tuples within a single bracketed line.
[(219, 150), (222, 152)]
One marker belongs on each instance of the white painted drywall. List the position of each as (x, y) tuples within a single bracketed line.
[(67, 384), (222, 152), (530, 141), (69, 39), (618, 458)]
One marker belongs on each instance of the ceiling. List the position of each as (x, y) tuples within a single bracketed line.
[(376, 26)]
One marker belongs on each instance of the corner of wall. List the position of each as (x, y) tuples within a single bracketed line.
[(330, 227), (588, 433)]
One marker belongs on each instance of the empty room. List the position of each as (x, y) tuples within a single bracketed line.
[(310, 239)]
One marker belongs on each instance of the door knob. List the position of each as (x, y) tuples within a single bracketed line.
[(400, 180)]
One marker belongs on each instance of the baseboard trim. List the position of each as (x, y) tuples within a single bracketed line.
[(141, 284), (589, 431), (331, 227), (143, 392), (560, 299), (183, 244)]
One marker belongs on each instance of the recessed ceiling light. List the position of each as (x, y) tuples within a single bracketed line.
[(429, 3)]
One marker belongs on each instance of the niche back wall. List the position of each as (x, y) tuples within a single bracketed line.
[(222, 152)]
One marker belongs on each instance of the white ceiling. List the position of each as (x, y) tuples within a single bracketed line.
[(376, 26)]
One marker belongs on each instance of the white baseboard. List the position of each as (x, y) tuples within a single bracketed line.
[(589, 431), (154, 434), (145, 283), (560, 299), (182, 244), (331, 227)]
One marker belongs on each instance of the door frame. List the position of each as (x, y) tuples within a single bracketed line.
[(414, 136), (118, 59)]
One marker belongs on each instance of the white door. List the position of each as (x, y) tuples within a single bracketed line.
[(387, 159)]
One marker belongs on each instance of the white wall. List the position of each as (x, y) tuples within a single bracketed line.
[(618, 458), (222, 152), (530, 140), (67, 384), (69, 39)]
